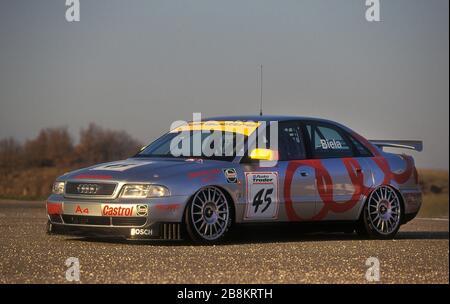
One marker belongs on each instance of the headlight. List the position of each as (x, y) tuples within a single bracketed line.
[(58, 188), (143, 191)]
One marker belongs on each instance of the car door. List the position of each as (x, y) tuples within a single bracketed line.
[(344, 172), (267, 185)]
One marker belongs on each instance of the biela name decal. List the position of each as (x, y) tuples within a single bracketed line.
[(330, 144), (117, 211)]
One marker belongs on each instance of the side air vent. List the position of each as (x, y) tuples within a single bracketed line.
[(171, 231)]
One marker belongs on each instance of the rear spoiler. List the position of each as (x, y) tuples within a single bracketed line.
[(416, 145)]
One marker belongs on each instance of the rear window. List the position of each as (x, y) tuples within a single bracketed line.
[(328, 141), (362, 150)]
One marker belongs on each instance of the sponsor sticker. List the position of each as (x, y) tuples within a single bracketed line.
[(330, 144), (262, 195), (230, 175), (112, 210), (120, 166), (240, 127), (80, 210), (141, 232), (105, 209), (141, 210)]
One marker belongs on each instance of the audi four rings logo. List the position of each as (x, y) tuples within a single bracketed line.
[(87, 188)]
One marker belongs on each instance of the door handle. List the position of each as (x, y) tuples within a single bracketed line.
[(359, 170), (304, 174)]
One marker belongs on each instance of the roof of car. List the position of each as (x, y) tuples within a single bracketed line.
[(274, 118), (265, 118)]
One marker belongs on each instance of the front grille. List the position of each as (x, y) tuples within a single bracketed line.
[(104, 220), (128, 221), (90, 189), (86, 220)]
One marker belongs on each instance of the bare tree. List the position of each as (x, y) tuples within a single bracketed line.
[(10, 154), (28, 170), (101, 145), (51, 147)]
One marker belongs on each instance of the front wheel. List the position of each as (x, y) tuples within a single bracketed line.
[(208, 216), (381, 215)]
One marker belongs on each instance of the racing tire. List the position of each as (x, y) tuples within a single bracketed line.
[(382, 214), (208, 216)]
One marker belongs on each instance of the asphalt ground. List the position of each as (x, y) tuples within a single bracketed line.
[(419, 254)]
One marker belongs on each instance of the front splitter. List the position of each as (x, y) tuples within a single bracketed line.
[(155, 231)]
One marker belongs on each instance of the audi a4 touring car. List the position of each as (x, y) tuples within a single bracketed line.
[(288, 169)]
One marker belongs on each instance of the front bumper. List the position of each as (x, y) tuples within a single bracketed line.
[(129, 219), (155, 231)]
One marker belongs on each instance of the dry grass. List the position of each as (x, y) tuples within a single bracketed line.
[(433, 181), (33, 183), (434, 205), (434, 185)]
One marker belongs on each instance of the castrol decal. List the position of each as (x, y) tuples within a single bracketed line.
[(113, 210)]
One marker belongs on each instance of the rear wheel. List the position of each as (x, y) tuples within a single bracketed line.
[(208, 216), (382, 214)]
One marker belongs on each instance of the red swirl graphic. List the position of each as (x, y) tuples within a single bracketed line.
[(400, 178), (324, 183)]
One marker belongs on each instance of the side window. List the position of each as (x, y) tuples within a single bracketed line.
[(362, 150), (328, 142), (290, 141), (291, 144)]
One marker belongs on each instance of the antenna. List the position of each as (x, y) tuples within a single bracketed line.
[(261, 92)]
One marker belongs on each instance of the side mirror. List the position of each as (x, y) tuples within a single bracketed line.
[(263, 154)]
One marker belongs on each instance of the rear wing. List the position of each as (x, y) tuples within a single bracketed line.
[(416, 145)]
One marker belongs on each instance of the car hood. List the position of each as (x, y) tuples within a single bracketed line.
[(145, 169)]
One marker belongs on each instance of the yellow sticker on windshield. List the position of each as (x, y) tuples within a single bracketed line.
[(241, 127)]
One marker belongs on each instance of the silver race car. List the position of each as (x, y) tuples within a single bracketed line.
[(261, 169)]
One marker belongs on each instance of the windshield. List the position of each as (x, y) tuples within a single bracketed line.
[(196, 144)]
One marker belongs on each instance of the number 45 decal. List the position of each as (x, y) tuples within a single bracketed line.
[(262, 195), (258, 199)]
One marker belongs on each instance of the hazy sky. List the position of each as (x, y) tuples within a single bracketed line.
[(139, 65)]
